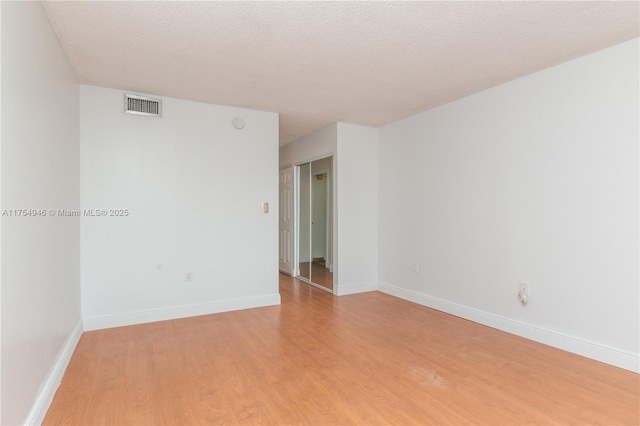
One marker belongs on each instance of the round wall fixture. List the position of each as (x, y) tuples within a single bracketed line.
[(238, 123)]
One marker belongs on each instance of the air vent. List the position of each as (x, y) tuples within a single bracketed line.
[(135, 104)]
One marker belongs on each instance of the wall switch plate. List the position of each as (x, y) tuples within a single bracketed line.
[(265, 207), (416, 267), (188, 277)]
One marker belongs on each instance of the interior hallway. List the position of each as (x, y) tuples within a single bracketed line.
[(367, 358)]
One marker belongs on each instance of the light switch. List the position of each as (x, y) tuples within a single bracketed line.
[(265, 207)]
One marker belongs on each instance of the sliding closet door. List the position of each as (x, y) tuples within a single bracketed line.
[(315, 223), (304, 221)]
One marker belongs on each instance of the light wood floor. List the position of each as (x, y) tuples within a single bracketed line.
[(317, 359)]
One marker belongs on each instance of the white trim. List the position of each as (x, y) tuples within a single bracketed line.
[(54, 378), (345, 289), (163, 314), (619, 358)]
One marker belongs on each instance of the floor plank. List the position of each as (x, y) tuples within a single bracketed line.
[(318, 359)]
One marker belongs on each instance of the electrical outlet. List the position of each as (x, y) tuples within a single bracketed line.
[(416, 267), (188, 277)]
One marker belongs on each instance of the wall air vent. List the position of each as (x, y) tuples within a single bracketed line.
[(143, 105)]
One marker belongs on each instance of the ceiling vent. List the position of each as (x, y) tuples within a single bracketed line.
[(142, 105)]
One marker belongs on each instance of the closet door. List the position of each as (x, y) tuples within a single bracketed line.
[(322, 223), (315, 223), (304, 221)]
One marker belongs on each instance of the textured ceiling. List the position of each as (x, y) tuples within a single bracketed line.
[(315, 63)]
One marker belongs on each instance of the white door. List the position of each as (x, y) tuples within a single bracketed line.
[(286, 220)]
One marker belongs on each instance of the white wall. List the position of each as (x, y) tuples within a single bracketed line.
[(534, 180), (0, 219), (40, 170), (193, 185), (318, 144), (357, 208)]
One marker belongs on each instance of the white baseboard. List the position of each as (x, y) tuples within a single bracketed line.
[(344, 289), (53, 379), (141, 317), (596, 351)]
